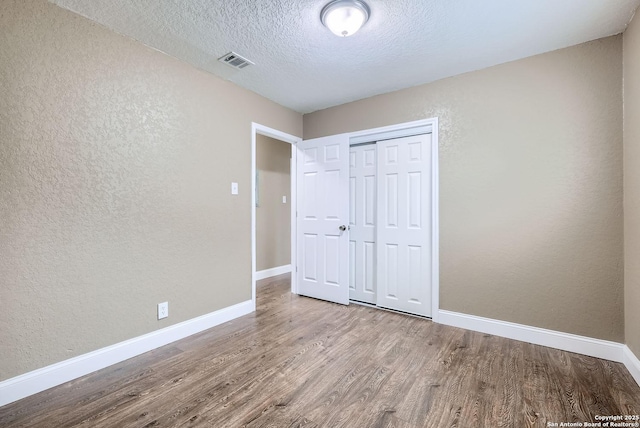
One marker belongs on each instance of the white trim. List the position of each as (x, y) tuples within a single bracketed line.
[(405, 129), (253, 212), (598, 348), (294, 215), (47, 377), (268, 273), (539, 336), (256, 129), (409, 131), (435, 222), (632, 363)]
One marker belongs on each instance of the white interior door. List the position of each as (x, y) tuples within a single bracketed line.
[(323, 214), (362, 221), (403, 235)]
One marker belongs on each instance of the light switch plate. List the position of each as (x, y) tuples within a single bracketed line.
[(234, 188), (284, 199)]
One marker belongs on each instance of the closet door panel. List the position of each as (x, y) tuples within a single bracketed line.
[(362, 221), (403, 234)]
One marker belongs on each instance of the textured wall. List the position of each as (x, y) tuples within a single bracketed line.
[(632, 185), (115, 169), (273, 218), (530, 185)]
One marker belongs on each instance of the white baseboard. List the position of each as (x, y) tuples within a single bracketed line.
[(268, 273), (47, 377), (632, 363), (539, 336)]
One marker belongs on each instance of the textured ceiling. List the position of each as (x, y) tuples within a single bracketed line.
[(301, 65)]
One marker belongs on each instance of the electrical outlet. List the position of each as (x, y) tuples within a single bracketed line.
[(163, 310)]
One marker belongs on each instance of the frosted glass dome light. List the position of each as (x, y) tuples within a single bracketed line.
[(344, 17)]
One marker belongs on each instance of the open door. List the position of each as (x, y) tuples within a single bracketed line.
[(323, 218)]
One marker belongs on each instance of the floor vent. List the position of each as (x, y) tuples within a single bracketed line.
[(234, 60)]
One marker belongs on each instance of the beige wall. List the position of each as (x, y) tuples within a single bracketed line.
[(273, 218), (115, 171), (530, 185), (116, 163), (632, 185)]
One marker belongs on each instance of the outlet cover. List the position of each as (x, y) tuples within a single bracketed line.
[(163, 310)]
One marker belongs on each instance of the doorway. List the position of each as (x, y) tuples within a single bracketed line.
[(273, 207), (259, 131)]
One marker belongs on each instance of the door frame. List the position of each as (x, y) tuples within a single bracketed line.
[(256, 129), (404, 130)]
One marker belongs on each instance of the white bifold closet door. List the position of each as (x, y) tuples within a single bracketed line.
[(362, 223), (403, 224)]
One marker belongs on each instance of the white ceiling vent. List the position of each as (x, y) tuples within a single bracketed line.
[(234, 60)]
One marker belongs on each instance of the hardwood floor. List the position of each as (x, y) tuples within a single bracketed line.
[(300, 362)]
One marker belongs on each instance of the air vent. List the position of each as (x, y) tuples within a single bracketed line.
[(234, 60)]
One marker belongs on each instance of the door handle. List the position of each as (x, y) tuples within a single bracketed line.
[(343, 228)]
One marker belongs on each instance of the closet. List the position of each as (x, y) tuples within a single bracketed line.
[(366, 217), (390, 224)]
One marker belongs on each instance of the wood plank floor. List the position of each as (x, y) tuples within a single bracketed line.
[(300, 362)]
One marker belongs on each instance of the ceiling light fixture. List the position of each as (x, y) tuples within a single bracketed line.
[(344, 17)]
